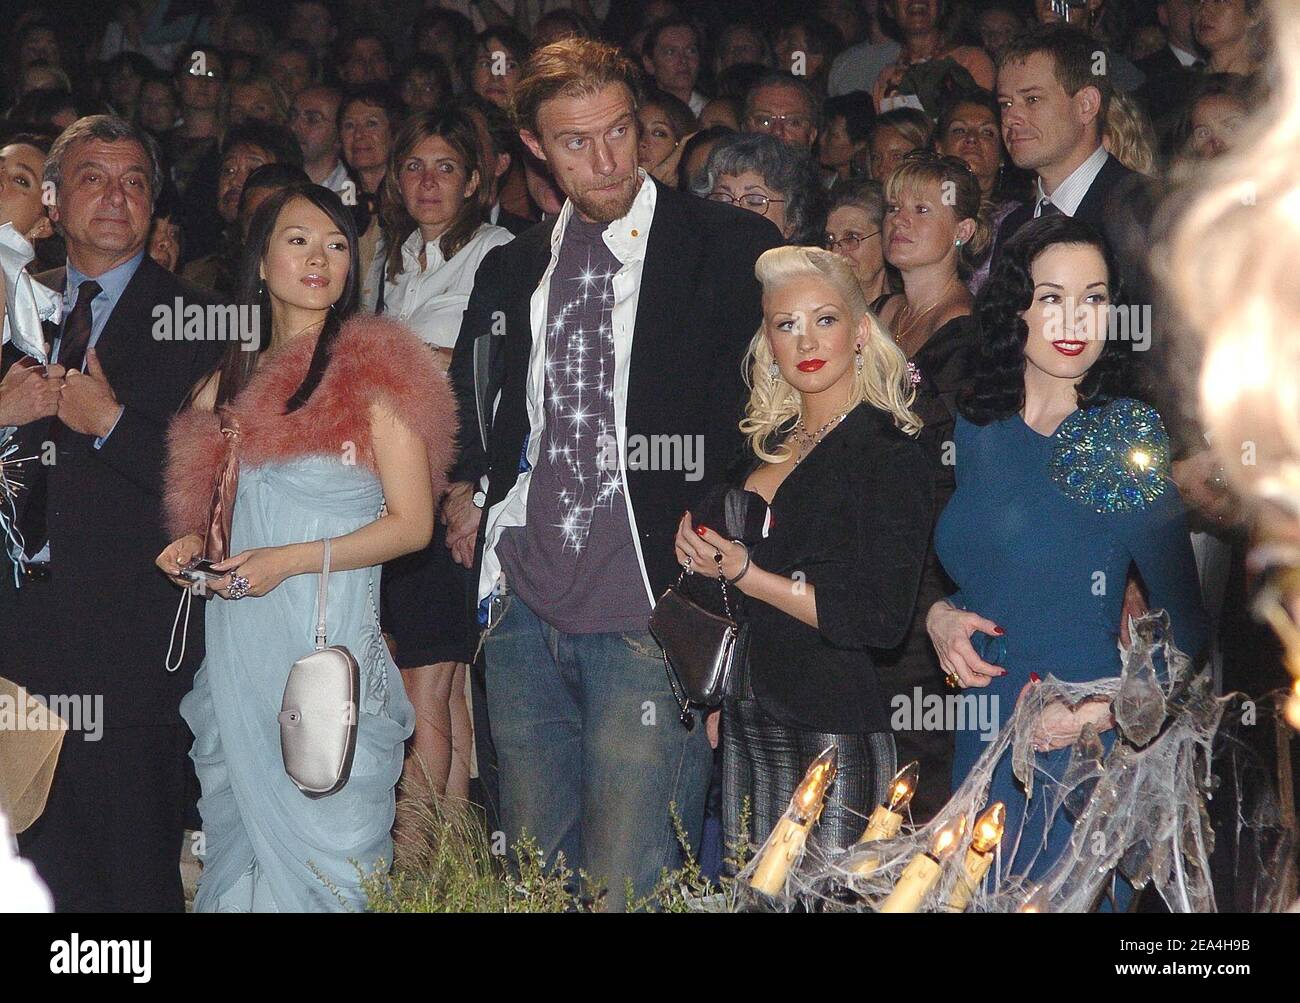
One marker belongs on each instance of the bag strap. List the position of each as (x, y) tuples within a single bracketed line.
[(182, 611), (679, 695), (722, 580), (322, 597)]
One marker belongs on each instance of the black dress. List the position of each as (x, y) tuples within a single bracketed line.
[(944, 364), (423, 605), (852, 520)]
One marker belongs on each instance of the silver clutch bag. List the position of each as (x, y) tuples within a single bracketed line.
[(318, 715)]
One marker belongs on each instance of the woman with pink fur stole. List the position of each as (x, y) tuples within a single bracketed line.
[(333, 427)]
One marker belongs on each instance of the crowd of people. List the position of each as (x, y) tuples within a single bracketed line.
[(875, 274)]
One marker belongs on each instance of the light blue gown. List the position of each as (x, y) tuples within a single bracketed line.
[(268, 847)]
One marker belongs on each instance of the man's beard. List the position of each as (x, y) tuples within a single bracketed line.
[(613, 205)]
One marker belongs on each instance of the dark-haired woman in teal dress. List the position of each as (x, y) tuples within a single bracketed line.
[(1062, 485)]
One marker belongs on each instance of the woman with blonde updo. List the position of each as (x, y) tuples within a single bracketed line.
[(823, 528)]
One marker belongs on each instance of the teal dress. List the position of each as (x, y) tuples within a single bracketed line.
[(1039, 537), (268, 847)]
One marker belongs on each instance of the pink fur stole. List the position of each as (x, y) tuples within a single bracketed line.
[(373, 359)]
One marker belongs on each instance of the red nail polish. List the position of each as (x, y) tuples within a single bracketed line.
[(1035, 678), (701, 530), (998, 630)]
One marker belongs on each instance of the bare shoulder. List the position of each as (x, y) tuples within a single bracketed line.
[(204, 395)]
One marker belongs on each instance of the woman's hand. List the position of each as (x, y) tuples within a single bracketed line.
[(176, 555), (702, 544), (950, 631), (264, 567), (1059, 725)]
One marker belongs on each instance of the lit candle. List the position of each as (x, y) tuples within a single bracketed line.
[(785, 845), (979, 856), (922, 871), (887, 819), (1035, 901)]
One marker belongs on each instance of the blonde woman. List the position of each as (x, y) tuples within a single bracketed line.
[(836, 495), (936, 229), (1128, 135)]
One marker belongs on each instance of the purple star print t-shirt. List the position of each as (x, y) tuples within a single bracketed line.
[(574, 561)]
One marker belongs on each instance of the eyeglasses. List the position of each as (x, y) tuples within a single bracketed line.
[(766, 123), (751, 200), (850, 241)]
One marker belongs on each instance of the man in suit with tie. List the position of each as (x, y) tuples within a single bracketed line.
[(1171, 73), (619, 323), (1053, 89), (91, 616)]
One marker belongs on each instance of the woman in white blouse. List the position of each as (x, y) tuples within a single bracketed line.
[(434, 237)]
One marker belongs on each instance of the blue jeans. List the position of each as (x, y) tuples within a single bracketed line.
[(590, 750)]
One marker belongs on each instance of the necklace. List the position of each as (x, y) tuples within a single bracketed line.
[(806, 441), (903, 333)]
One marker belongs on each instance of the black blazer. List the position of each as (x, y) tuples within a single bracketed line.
[(1168, 89), (101, 623), (854, 520), (1098, 208), (698, 307)]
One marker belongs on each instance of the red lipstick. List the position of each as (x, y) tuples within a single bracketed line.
[(811, 365)]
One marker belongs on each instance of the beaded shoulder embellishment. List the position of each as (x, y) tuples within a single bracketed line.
[(1112, 458)]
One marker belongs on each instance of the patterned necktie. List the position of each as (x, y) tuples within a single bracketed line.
[(72, 353), (1047, 208), (76, 333)]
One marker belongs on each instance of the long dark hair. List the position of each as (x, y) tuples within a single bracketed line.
[(453, 125), (238, 365), (997, 389)]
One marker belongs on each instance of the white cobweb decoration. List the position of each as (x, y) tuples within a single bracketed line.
[(1139, 810)]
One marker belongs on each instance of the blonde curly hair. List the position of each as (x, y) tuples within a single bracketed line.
[(1128, 135), (884, 381)]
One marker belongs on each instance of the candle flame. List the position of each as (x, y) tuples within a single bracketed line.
[(1035, 901), (989, 827), (947, 838), (808, 795), (1293, 706), (903, 786)]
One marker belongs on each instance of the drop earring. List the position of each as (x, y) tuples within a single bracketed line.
[(773, 371), (858, 362)]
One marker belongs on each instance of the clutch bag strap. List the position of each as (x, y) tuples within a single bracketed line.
[(722, 580), (322, 597)]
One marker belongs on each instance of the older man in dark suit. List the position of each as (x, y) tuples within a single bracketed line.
[(91, 618)]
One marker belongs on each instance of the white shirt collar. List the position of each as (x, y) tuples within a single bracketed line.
[(412, 245), (1182, 55), (625, 237), (1070, 192), (336, 178)]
